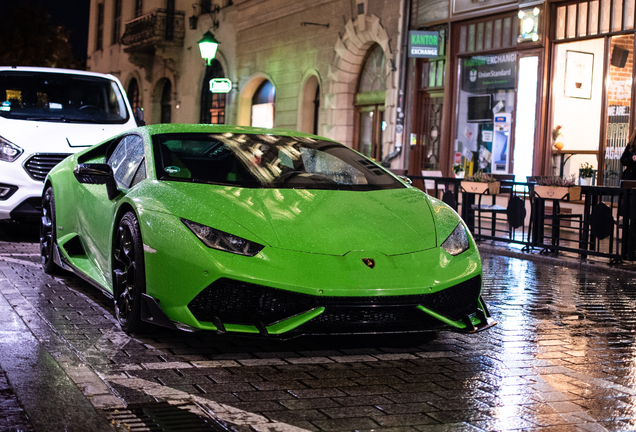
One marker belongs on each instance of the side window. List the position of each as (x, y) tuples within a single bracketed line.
[(125, 160)]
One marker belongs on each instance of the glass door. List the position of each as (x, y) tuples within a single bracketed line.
[(525, 117)]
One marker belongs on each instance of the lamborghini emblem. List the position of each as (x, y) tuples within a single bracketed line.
[(369, 262)]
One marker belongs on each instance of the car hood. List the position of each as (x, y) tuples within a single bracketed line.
[(391, 222), (50, 137)]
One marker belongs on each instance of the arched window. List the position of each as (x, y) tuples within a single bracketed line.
[(370, 97), (310, 106), (263, 105), (212, 104), (166, 106), (133, 95)]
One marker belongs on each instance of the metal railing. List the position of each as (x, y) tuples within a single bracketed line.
[(156, 27), (597, 225)]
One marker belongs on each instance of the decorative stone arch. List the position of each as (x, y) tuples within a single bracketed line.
[(157, 94), (244, 114), (350, 51), (126, 83), (309, 84)]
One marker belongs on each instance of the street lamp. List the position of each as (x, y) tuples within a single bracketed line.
[(208, 46)]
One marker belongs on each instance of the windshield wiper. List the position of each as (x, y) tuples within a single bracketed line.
[(60, 118), (64, 119)]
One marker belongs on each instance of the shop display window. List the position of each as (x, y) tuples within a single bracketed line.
[(578, 105), (485, 106)]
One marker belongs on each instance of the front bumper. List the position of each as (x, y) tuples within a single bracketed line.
[(239, 307), (233, 305), (25, 177)]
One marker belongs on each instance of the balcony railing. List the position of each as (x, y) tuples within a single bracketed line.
[(159, 28)]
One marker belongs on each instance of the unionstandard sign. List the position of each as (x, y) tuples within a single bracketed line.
[(423, 44)]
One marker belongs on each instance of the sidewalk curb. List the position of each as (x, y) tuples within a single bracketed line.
[(562, 261), (41, 384)]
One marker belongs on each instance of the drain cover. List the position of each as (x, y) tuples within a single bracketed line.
[(163, 416)]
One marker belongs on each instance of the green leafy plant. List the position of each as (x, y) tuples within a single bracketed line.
[(556, 132), (556, 181), (587, 170), (458, 168), (481, 177)]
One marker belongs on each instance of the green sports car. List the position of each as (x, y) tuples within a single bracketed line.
[(258, 231)]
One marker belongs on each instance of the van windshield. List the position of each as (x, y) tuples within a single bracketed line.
[(58, 97)]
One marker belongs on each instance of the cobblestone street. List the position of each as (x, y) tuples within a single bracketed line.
[(561, 358)]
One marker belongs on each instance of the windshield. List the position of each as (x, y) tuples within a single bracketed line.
[(267, 161), (58, 97)]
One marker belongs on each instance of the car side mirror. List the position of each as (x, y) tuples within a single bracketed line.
[(97, 173), (139, 117)]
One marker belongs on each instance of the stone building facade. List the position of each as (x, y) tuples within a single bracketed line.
[(329, 67)]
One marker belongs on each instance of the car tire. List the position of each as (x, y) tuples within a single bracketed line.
[(47, 233), (129, 276)]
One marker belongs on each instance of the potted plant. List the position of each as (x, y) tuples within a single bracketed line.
[(585, 173), (481, 183), (555, 187), (458, 170)]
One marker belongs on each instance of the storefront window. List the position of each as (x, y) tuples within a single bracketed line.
[(486, 99), (577, 98), (619, 91)]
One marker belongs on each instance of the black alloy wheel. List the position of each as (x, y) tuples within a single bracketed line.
[(129, 278), (47, 233)]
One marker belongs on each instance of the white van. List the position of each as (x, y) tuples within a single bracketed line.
[(45, 115)]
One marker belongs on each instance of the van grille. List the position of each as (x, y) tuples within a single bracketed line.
[(39, 164)]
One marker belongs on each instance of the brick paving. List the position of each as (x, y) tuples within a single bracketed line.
[(12, 416), (561, 359)]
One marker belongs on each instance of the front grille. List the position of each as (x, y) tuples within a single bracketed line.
[(39, 164), (235, 302)]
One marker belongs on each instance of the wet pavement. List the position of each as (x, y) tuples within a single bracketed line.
[(561, 359)]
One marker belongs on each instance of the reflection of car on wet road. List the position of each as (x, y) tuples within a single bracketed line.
[(45, 115), (258, 231)]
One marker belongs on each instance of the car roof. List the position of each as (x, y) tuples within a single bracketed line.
[(208, 128), (54, 70)]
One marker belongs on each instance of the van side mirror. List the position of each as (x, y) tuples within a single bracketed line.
[(139, 117), (97, 173)]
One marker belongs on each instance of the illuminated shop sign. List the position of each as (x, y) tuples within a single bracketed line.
[(423, 44), (220, 85), (489, 72), (529, 23)]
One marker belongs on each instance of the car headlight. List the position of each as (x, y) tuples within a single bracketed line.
[(457, 242), (9, 151), (216, 239)]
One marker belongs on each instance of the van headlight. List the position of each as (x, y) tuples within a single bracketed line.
[(9, 152), (457, 242)]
